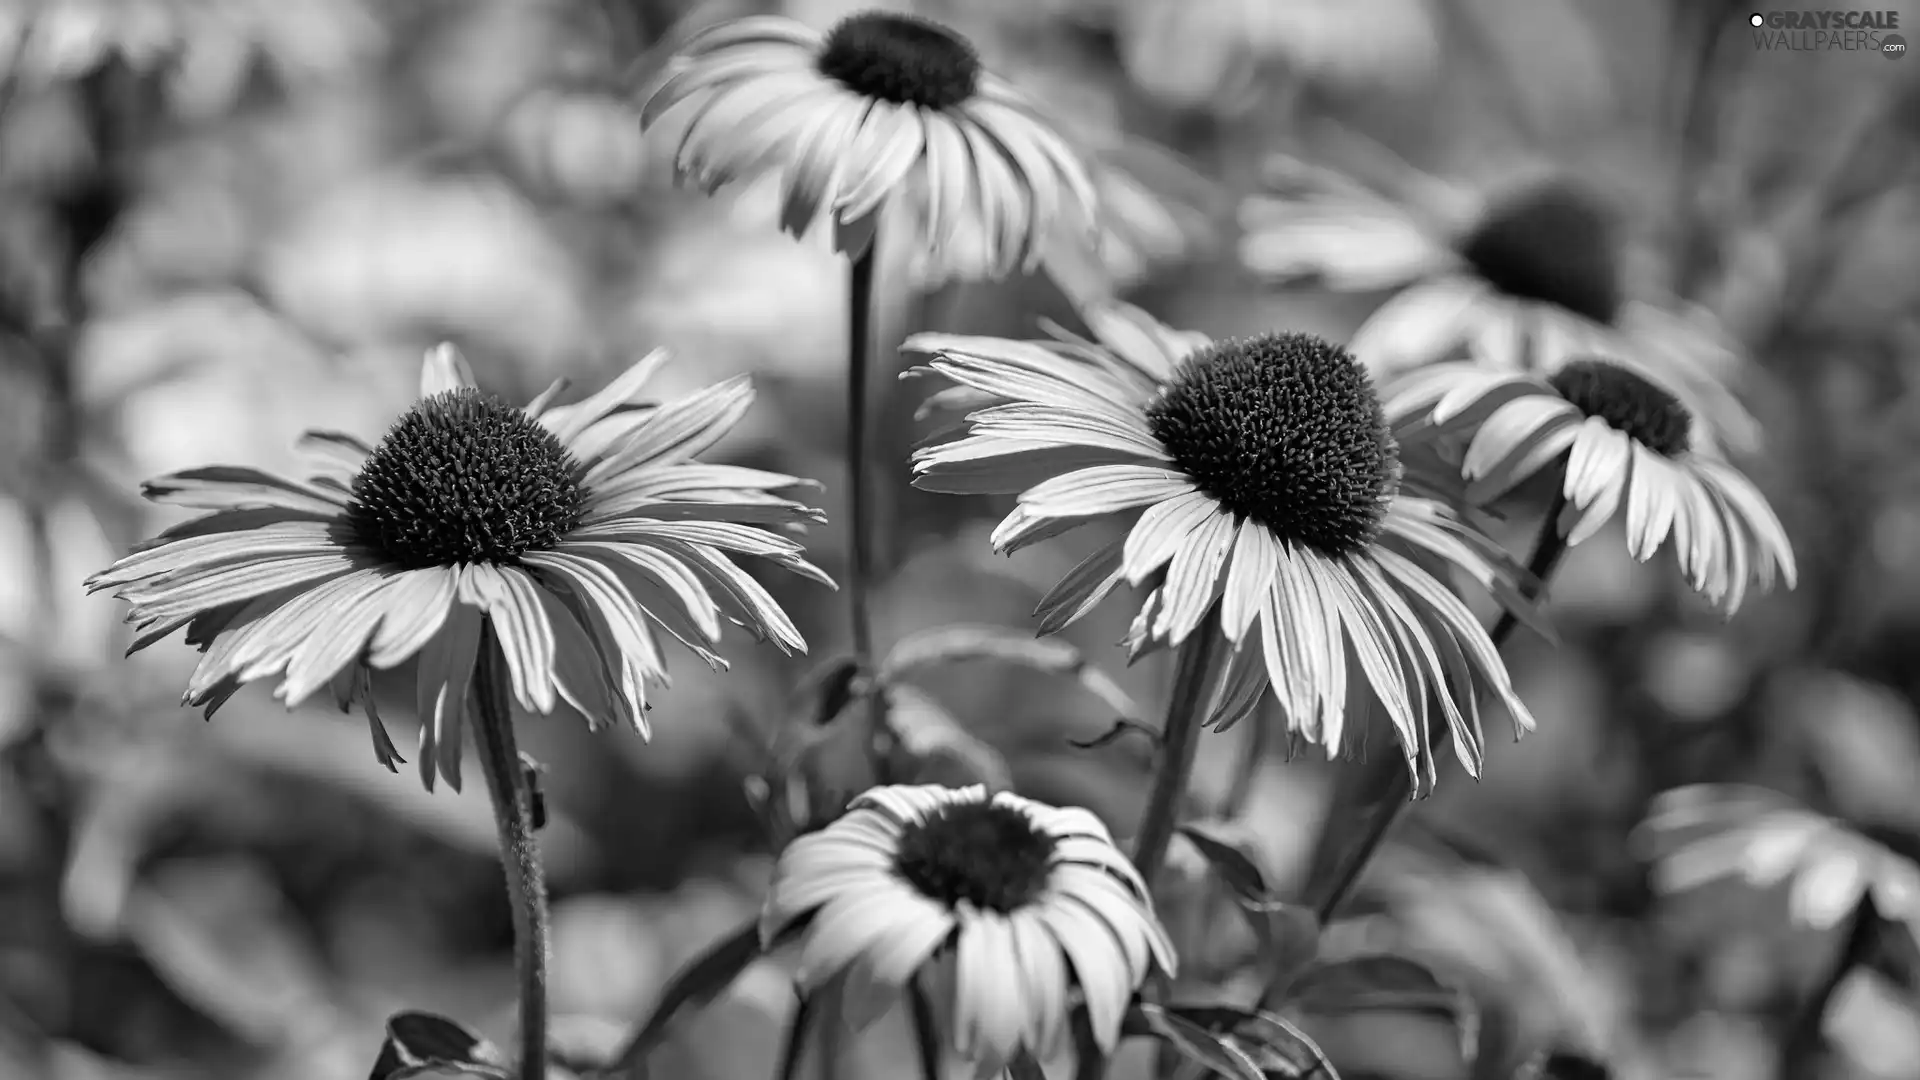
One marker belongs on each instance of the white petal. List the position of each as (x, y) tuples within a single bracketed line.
[(445, 370)]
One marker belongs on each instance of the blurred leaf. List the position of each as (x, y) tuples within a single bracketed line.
[(1050, 656), (1493, 929), (933, 748), (1563, 1065), (699, 981), (1275, 1047), (1193, 1042), (1288, 933), (1120, 728), (222, 934), (821, 755), (1385, 983), (421, 1044)]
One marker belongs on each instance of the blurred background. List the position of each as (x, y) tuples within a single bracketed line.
[(221, 224)]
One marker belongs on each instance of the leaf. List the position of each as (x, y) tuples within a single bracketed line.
[(1120, 727), (1194, 1042), (1289, 934), (1564, 1065), (421, 1043), (934, 748), (1050, 656), (699, 981), (821, 756), (1385, 983), (1274, 1044)]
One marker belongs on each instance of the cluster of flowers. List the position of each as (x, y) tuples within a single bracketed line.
[(1270, 498)]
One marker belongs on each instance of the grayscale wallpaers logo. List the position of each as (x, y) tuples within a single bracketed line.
[(1822, 31)]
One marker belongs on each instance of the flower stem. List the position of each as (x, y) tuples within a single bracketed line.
[(1179, 744), (1805, 1039), (519, 850), (796, 1041), (1389, 793), (860, 324), (860, 538)]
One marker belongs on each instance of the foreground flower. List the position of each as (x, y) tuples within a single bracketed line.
[(1708, 832), (1259, 487), (1627, 445), (1526, 281), (884, 105), (564, 534), (1015, 904)]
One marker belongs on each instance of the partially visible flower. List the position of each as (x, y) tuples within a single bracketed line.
[(568, 536), (1628, 448), (1257, 485), (1010, 907), (1708, 832), (1212, 53), (1524, 281), (1154, 211), (884, 107)]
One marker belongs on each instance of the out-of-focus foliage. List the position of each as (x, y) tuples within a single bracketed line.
[(224, 222)]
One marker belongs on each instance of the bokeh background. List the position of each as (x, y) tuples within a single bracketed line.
[(221, 224)]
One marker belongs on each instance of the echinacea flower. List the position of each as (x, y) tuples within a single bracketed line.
[(1628, 449), (1260, 494), (883, 106), (1009, 906), (1526, 280), (566, 535), (1709, 832)]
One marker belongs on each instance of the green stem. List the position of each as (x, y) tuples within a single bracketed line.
[(1391, 792), (1804, 1041), (859, 377), (1179, 744), (519, 850)]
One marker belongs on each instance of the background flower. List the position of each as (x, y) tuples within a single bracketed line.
[(882, 102), (1623, 445)]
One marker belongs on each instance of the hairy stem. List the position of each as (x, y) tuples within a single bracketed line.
[(1179, 744), (519, 850), (1390, 791)]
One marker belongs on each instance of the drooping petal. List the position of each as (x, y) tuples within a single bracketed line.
[(445, 679)]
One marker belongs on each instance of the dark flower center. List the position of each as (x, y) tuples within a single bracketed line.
[(463, 477), (1287, 430), (901, 58), (1553, 243), (988, 855), (1648, 414)]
